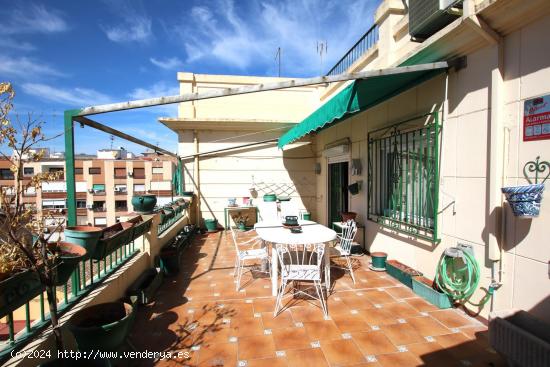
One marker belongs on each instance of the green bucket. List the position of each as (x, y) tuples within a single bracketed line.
[(379, 260), (270, 197), (306, 216), (211, 225)]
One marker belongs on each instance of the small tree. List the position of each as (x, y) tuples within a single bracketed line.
[(18, 251)]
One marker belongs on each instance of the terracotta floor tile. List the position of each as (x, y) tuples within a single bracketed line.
[(401, 310), (427, 326), (348, 323), (322, 330), (476, 332), (421, 304), (290, 338), (255, 347), (267, 362), (312, 357), (451, 318), (378, 316), (405, 359), (282, 320), (246, 326), (218, 355), (264, 304), (342, 352), (378, 297), (433, 354), (306, 313), (460, 346), (353, 301), (373, 343), (402, 334), (400, 292)]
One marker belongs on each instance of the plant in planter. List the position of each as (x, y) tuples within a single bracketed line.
[(27, 265), (240, 221), (525, 200)]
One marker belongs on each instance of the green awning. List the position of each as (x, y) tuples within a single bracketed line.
[(360, 95)]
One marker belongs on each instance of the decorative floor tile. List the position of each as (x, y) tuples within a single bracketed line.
[(402, 321), (316, 344), (354, 312), (257, 314), (430, 339), (455, 330), (191, 311), (371, 359), (226, 321), (267, 332), (375, 327), (216, 294), (378, 306), (402, 348), (233, 339), (242, 363), (194, 348), (299, 324), (424, 313), (280, 353), (346, 336), (248, 301)]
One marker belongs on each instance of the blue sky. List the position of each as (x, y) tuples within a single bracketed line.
[(62, 54)]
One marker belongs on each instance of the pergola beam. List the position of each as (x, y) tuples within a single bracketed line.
[(96, 125), (142, 103)]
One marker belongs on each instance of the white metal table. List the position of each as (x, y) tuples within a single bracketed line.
[(312, 232)]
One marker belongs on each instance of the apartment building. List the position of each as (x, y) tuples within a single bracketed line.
[(105, 184)]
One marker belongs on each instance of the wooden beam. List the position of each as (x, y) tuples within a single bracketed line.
[(120, 134), (142, 103)]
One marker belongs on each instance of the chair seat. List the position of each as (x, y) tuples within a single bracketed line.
[(338, 251), (253, 254), (302, 272)]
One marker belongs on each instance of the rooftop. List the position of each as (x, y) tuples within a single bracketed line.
[(378, 320)]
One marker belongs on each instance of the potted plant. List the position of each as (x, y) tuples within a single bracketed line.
[(145, 203), (112, 238), (86, 236), (68, 256), (28, 265), (240, 221), (211, 225)]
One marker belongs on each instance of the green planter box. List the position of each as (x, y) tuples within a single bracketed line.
[(113, 238), (401, 272), (18, 290), (146, 285), (424, 290)]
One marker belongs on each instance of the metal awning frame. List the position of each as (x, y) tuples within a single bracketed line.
[(80, 115)]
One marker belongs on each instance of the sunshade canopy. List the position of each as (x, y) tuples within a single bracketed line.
[(360, 95)]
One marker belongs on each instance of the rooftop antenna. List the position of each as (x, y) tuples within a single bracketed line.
[(278, 56), (112, 138), (322, 49)]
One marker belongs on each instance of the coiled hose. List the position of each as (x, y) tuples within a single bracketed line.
[(458, 277)]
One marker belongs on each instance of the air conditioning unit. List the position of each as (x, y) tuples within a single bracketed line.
[(130, 174), (117, 189), (91, 191), (426, 17), (336, 150), (89, 206)]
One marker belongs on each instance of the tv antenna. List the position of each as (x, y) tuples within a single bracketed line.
[(112, 138), (278, 57), (322, 49)]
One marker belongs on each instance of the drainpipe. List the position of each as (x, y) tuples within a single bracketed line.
[(197, 178)]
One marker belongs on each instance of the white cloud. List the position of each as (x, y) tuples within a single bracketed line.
[(171, 63), (80, 97), (7, 42), (135, 25), (35, 18), (137, 29), (26, 68), (249, 37)]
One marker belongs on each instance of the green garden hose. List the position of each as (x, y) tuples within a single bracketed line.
[(458, 276)]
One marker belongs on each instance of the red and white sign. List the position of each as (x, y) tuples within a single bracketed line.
[(536, 119)]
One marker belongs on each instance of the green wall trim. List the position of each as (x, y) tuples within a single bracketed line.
[(69, 165)]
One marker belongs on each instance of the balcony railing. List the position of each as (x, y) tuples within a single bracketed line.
[(99, 209), (364, 44), (121, 209)]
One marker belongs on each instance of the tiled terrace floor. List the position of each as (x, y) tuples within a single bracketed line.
[(377, 322)]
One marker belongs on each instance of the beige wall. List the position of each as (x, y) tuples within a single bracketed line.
[(465, 166), (243, 120)]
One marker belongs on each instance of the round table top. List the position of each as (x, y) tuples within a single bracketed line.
[(312, 232)]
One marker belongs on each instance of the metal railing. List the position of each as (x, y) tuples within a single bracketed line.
[(403, 177), (88, 275), (364, 44)]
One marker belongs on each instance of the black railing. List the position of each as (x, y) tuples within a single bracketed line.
[(356, 51)]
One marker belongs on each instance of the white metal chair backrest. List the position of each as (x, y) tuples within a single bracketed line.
[(268, 211), (289, 208), (349, 230), (294, 257), (234, 236)]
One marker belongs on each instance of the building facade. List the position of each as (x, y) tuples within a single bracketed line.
[(460, 137), (104, 187)]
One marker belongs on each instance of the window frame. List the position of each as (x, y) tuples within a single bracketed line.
[(403, 176), (94, 168)]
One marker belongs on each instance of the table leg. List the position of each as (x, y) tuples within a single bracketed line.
[(327, 267), (274, 271)]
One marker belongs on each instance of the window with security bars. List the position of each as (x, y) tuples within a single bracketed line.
[(403, 176)]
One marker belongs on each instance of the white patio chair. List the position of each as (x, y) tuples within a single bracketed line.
[(268, 211), (301, 263), (343, 247), (249, 253)]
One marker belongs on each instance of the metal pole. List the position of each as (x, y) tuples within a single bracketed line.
[(197, 178), (69, 166)]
